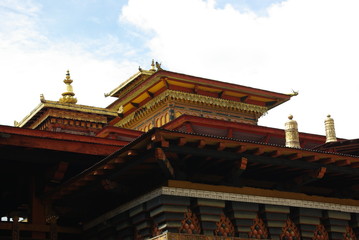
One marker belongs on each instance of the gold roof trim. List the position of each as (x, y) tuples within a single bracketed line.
[(194, 98), (144, 87), (131, 79), (66, 106)]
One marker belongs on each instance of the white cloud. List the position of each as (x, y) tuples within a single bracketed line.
[(33, 64), (306, 45)]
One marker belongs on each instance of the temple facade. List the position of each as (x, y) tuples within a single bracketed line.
[(174, 157)]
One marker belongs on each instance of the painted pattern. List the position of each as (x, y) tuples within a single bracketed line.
[(258, 229)]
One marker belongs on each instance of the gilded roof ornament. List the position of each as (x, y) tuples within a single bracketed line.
[(153, 69), (330, 129), (68, 96), (294, 93), (291, 133), (158, 66), (42, 98)]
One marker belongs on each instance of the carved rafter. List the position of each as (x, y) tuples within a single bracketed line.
[(164, 163), (311, 176), (239, 167)]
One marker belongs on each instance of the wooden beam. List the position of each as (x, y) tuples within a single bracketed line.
[(311, 176), (132, 152), (241, 149), (117, 160), (181, 141), (344, 162), (276, 153), (282, 162), (295, 156), (164, 162), (221, 146), (258, 151), (201, 143), (239, 167)]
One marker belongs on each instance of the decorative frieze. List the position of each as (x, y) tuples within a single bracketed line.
[(170, 95)]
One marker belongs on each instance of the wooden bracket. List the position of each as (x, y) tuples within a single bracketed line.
[(311, 176), (164, 162), (237, 170)]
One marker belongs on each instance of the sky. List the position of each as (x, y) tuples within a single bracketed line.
[(310, 46)]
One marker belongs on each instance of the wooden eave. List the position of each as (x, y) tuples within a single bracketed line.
[(31, 138), (184, 120), (38, 111), (150, 150), (341, 146), (104, 132), (139, 93)]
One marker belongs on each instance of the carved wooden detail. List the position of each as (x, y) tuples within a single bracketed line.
[(258, 229), (290, 231), (224, 227), (155, 230), (320, 233), (349, 234), (190, 224)]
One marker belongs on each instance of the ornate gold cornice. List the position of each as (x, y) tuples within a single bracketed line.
[(66, 106), (169, 95)]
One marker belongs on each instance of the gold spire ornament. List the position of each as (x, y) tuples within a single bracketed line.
[(68, 96), (153, 69), (330, 130), (291, 133)]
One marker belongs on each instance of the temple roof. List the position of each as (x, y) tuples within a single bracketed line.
[(147, 91), (166, 154), (46, 104)]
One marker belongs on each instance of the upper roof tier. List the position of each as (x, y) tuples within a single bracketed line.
[(148, 89), (143, 84)]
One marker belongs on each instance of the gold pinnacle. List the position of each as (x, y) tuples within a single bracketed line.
[(68, 96)]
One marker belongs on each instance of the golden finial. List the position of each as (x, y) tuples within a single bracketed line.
[(68, 96), (153, 66), (294, 93), (330, 129), (42, 98), (291, 133), (158, 66)]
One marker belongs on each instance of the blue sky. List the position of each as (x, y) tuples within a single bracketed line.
[(277, 45)]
